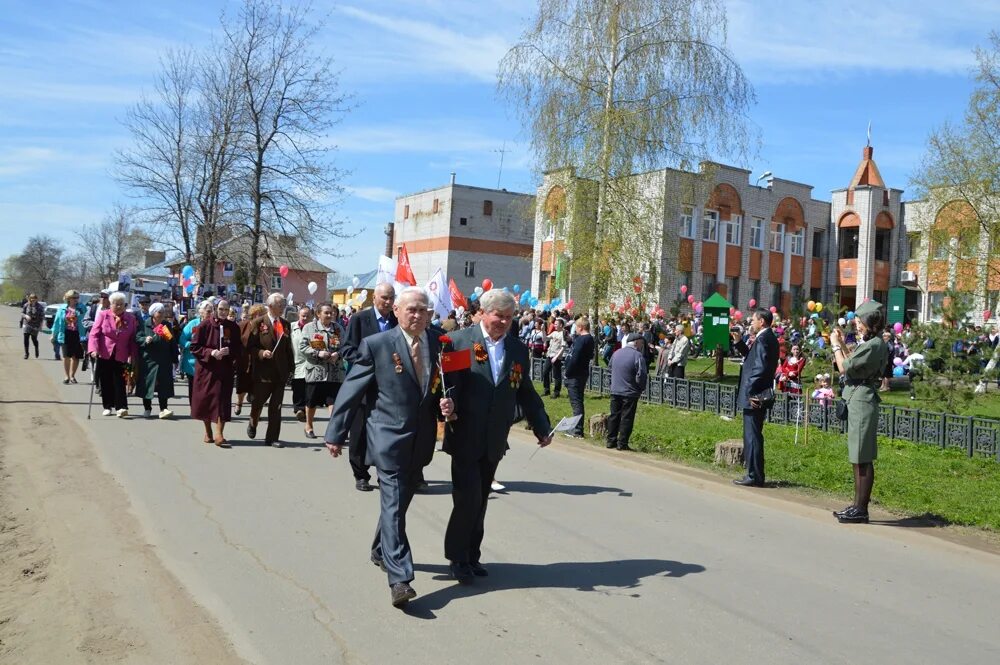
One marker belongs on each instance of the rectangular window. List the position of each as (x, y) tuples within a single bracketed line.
[(776, 294), (687, 222), (940, 247), (936, 301), (488, 208), (731, 290), (816, 295), (818, 248), (435, 206), (913, 241), (710, 226), (708, 286), (777, 237), (796, 292), (275, 282), (798, 240), (754, 290), (757, 233), (406, 211), (684, 279), (734, 231), (463, 221), (470, 268)]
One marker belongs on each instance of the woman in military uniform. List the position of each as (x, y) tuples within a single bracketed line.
[(862, 369)]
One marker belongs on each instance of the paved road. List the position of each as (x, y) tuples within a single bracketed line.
[(592, 559)]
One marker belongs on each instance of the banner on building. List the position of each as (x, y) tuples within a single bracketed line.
[(439, 295)]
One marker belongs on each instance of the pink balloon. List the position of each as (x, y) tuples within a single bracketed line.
[(691, 300), (684, 288), (569, 304), (897, 328), (753, 302), (897, 362), (283, 271), (732, 311), (774, 310), (737, 315), (986, 315)]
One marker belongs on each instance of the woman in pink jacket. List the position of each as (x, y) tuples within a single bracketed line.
[(112, 344)]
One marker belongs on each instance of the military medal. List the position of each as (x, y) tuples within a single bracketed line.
[(399, 363)]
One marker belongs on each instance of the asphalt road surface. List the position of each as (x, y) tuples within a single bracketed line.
[(593, 558)]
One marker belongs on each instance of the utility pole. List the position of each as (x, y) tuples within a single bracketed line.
[(502, 151)]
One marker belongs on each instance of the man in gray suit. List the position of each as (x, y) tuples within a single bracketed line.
[(396, 374), (756, 394), (485, 398)]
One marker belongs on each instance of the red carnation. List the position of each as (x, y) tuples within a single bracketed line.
[(444, 339)]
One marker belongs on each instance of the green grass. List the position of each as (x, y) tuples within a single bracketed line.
[(911, 479)]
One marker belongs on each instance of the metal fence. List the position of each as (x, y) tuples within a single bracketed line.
[(976, 436)]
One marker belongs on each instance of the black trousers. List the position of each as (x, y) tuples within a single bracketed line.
[(753, 443), (112, 383), (675, 371), (33, 336), (299, 394), (620, 420), (574, 387), (552, 370), (390, 543), (470, 493), (273, 393), (358, 448)]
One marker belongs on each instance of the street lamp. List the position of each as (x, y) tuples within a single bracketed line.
[(766, 175)]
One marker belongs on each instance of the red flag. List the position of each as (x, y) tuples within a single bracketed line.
[(457, 297), (278, 328), (404, 274), (452, 361)]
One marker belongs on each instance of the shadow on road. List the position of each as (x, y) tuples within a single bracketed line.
[(532, 487), (579, 575), (925, 521)]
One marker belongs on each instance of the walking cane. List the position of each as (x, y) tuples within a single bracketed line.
[(91, 405)]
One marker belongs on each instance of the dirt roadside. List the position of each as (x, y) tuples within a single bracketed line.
[(78, 583)]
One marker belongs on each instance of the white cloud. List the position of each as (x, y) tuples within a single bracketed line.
[(437, 138), (29, 159), (374, 194)]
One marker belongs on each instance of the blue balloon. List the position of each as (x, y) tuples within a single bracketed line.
[(473, 297), (534, 302), (547, 307), (898, 371), (187, 271), (556, 301), (814, 316), (850, 316), (517, 288), (821, 343)]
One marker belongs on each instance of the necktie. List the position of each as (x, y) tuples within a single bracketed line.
[(418, 363)]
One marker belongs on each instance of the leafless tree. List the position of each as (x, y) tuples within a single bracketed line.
[(291, 98), (113, 244)]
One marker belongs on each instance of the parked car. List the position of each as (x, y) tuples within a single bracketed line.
[(50, 316)]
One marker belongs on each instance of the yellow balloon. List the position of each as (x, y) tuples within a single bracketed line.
[(819, 307)]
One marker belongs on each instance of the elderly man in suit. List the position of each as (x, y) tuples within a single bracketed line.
[(485, 398), (269, 342), (376, 319), (756, 393), (679, 352), (396, 375)]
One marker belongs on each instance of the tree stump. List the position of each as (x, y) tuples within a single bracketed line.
[(599, 425), (729, 452)]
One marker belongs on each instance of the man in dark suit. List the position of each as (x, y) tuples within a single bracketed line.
[(396, 375), (269, 343), (756, 393), (577, 365), (366, 323), (485, 397)]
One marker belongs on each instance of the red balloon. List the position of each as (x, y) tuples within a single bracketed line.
[(737, 315), (569, 304), (684, 288), (774, 310), (283, 271), (691, 300), (487, 284), (986, 315), (753, 302)]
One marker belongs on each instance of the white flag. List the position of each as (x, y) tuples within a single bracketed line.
[(440, 296), (567, 424), (386, 270)]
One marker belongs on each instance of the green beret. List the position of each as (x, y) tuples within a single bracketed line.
[(869, 307)]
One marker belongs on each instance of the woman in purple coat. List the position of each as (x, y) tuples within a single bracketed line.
[(112, 345), (216, 347)]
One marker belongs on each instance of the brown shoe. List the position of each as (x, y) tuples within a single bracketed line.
[(221, 443)]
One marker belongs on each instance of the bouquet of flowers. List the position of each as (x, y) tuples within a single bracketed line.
[(163, 332), (318, 342)]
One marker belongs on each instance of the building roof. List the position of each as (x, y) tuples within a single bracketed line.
[(366, 280), (867, 173)]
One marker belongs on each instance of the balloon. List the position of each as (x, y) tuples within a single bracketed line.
[(506, 290), (737, 315), (898, 371), (821, 343), (842, 321), (478, 290), (897, 328), (547, 307), (187, 271), (364, 294), (487, 284), (690, 300), (850, 316), (819, 307), (534, 302), (774, 310), (283, 271), (473, 297), (814, 315), (355, 282), (350, 290), (752, 303), (811, 306), (897, 361), (569, 304), (986, 315), (684, 288), (517, 288), (311, 287)]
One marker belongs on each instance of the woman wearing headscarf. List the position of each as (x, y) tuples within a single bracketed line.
[(32, 317), (862, 369), (157, 349), (68, 331), (217, 348), (187, 358), (112, 344)]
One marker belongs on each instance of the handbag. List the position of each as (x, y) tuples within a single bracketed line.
[(840, 406), (766, 398)]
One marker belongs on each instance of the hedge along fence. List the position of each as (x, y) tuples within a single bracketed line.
[(975, 435)]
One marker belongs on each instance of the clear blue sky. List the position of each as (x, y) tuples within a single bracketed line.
[(423, 76)]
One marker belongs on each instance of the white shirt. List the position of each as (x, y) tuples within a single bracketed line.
[(425, 354), (496, 353)]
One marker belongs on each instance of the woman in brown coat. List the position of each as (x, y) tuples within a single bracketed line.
[(244, 372)]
